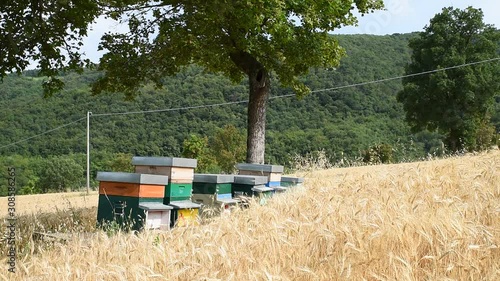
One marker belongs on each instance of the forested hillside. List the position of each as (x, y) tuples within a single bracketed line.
[(343, 122)]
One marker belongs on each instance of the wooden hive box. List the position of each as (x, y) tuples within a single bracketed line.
[(243, 184), (263, 193), (291, 181), (157, 215), (214, 191), (120, 195), (184, 213), (272, 172), (212, 184), (179, 170), (177, 192), (132, 184)]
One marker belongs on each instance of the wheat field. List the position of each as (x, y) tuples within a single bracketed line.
[(435, 220), (49, 202)]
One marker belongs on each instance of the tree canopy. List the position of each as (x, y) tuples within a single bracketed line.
[(286, 37), (48, 33), (457, 102), (237, 38)]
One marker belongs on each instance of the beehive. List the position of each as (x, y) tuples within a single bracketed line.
[(157, 215), (214, 191), (272, 172), (291, 181), (243, 185), (120, 195), (263, 193), (179, 170), (184, 213), (178, 192)]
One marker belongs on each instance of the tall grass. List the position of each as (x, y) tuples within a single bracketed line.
[(437, 220), (69, 221)]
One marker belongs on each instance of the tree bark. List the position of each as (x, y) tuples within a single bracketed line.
[(453, 141), (256, 127), (259, 83)]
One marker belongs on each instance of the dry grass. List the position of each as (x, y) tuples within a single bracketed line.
[(50, 202), (436, 220)]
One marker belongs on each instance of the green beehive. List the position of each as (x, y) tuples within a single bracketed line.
[(119, 210), (272, 172), (214, 191), (243, 184), (291, 181), (121, 194), (177, 192), (263, 193)]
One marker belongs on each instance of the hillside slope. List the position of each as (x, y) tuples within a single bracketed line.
[(431, 220), (348, 120)]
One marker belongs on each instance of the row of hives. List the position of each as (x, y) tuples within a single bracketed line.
[(165, 192)]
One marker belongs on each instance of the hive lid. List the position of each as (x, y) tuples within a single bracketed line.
[(132, 178), (164, 161), (292, 179), (184, 204), (262, 188), (250, 180), (260, 168), (213, 178), (228, 201), (154, 206)]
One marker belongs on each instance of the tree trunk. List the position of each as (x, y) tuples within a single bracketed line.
[(259, 83), (453, 141), (256, 127)]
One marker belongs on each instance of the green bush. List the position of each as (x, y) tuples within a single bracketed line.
[(380, 153), (228, 147), (197, 148), (60, 173), (485, 137)]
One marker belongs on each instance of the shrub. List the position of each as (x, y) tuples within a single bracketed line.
[(380, 153)]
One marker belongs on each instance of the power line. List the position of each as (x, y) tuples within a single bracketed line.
[(315, 91), (273, 97), (44, 133), (405, 76), (169, 109)]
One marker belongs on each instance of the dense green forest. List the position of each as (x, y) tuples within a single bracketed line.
[(343, 123)]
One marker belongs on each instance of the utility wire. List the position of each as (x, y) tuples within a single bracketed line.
[(245, 101), (44, 133), (168, 109), (315, 91), (405, 76)]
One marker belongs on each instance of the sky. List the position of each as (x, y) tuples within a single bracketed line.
[(400, 16), (404, 16)]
